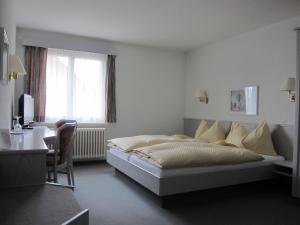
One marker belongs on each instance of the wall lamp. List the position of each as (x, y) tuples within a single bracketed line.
[(201, 96), (15, 67), (289, 85)]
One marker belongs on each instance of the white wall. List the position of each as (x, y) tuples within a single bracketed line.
[(264, 57), (152, 91), (7, 20), (149, 82)]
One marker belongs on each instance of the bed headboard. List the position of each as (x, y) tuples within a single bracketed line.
[(282, 135)]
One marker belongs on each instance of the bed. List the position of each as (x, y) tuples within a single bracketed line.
[(165, 182)]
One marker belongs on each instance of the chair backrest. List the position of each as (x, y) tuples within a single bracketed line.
[(65, 136), (63, 121)]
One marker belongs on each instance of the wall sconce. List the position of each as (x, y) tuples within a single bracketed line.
[(201, 95), (15, 67), (289, 85)]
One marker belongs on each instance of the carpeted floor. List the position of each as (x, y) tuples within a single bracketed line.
[(114, 199)]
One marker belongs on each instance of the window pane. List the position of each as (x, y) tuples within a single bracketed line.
[(56, 87), (89, 90), (75, 86)]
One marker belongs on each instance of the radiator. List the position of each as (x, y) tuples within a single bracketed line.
[(89, 144)]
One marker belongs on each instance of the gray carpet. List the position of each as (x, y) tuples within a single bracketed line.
[(40, 204), (114, 199)]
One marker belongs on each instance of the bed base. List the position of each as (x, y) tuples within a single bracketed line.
[(191, 182)]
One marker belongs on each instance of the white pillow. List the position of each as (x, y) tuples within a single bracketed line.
[(259, 140), (203, 126), (214, 133), (236, 134)]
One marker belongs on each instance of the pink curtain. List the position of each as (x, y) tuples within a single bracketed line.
[(35, 81), (110, 114)]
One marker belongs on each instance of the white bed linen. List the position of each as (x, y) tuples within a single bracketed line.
[(162, 173), (120, 153)]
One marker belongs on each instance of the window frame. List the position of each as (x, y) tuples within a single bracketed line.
[(72, 56)]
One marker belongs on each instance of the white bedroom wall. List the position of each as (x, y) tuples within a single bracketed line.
[(264, 57), (149, 82), (7, 20)]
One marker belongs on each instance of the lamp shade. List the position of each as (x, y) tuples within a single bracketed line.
[(200, 94), (15, 65), (288, 85)]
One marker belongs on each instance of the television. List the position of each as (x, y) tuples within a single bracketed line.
[(26, 110), (4, 53)]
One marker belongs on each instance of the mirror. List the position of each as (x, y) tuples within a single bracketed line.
[(251, 98)]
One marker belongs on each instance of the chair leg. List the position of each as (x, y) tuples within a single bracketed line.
[(68, 175), (72, 175), (49, 176), (55, 174)]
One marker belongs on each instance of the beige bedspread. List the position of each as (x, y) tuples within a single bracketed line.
[(127, 144), (191, 154)]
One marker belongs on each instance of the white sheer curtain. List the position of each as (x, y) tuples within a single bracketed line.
[(75, 86)]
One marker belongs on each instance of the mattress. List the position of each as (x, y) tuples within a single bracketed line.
[(163, 173), (120, 153)]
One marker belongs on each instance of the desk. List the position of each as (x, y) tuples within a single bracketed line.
[(23, 157)]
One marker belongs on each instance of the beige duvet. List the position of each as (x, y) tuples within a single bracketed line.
[(190, 154), (128, 144)]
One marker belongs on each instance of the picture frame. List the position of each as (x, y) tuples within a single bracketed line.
[(237, 101), (244, 100)]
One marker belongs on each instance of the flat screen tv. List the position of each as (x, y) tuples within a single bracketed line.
[(3, 55), (26, 109)]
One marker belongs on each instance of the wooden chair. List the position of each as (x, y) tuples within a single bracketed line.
[(51, 141), (59, 159), (61, 122)]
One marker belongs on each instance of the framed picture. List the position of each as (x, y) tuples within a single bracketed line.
[(244, 100), (237, 101)]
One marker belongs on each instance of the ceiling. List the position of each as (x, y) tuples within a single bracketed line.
[(173, 24)]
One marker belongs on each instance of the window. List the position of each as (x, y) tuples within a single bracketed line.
[(75, 86)]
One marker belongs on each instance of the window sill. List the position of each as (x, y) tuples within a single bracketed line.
[(87, 125)]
